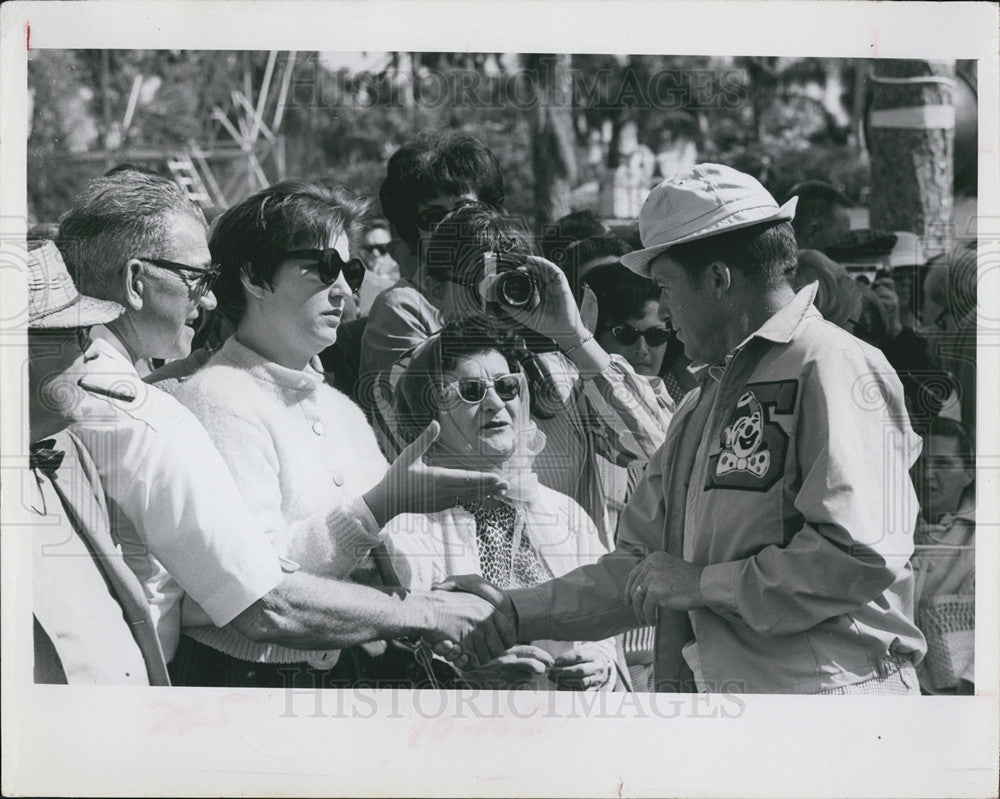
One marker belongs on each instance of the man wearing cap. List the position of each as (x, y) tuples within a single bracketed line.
[(769, 538)]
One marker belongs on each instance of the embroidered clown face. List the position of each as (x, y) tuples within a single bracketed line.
[(743, 440)]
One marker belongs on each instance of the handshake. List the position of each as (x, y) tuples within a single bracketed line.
[(475, 628), (472, 621)]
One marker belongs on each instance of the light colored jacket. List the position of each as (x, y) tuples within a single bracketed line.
[(799, 507)]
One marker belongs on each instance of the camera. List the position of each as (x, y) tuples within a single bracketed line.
[(505, 282)]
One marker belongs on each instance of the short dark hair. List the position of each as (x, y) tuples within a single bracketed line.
[(816, 199), (577, 255), (455, 251), (568, 229), (418, 391), (621, 294), (766, 253), (116, 217), (949, 428), (250, 238), (434, 164)]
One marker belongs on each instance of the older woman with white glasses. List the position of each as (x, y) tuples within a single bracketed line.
[(468, 379)]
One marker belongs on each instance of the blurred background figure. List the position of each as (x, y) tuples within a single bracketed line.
[(944, 557), (375, 250), (383, 271), (873, 315), (842, 300), (821, 216), (567, 230)]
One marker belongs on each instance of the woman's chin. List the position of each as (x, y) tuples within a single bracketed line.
[(497, 448)]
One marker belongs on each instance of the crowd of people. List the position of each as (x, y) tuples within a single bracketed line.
[(309, 445)]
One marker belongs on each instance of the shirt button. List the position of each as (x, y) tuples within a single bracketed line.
[(338, 479), (318, 428)]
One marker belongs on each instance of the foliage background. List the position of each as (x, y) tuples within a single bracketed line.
[(781, 119)]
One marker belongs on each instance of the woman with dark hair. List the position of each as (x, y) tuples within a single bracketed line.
[(587, 402), (468, 378), (301, 451), (628, 321)]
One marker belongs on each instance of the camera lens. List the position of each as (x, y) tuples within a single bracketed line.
[(516, 289)]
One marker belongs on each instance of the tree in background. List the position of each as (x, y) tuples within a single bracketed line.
[(911, 136)]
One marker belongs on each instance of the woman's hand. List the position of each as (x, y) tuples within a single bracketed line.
[(520, 665), (585, 668), (556, 315), (412, 486)]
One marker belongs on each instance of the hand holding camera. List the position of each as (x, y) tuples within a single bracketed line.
[(535, 293)]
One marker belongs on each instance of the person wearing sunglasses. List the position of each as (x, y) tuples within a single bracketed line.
[(383, 271), (588, 403), (376, 248), (425, 180), (185, 529), (294, 444), (164, 281), (627, 322), (468, 379)]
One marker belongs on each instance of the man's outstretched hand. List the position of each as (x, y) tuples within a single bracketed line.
[(467, 629), (468, 652)]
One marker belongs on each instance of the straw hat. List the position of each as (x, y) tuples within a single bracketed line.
[(53, 301)]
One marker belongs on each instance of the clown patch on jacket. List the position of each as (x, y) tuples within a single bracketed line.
[(753, 444)]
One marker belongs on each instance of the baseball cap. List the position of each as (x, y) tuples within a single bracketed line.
[(703, 201)]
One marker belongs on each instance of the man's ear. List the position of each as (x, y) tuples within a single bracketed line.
[(720, 278), (251, 288), (134, 284)]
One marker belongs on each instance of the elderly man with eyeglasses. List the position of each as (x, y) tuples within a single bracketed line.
[(173, 504)]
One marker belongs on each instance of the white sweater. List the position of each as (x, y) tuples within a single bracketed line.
[(302, 454)]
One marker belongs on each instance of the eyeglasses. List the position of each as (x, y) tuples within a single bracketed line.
[(376, 249), (433, 215), (473, 389), (206, 277), (329, 264), (628, 335)]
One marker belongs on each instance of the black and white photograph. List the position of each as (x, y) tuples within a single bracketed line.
[(516, 399)]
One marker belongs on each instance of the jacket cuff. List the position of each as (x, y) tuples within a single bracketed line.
[(533, 607), (718, 587)]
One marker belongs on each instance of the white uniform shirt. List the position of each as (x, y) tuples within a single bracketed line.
[(172, 502)]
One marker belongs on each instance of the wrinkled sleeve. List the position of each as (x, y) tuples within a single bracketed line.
[(329, 543), (854, 450), (628, 413), (395, 326), (179, 495), (588, 603), (415, 547)]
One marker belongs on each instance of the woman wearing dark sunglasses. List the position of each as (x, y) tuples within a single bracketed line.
[(301, 452), (468, 379), (628, 323)]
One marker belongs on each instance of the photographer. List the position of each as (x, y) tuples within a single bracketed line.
[(584, 400)]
